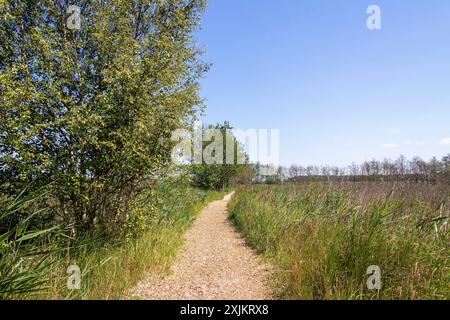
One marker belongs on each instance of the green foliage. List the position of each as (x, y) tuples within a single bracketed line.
[(223, 175), (92, 111), (25, 252), (322, 238)]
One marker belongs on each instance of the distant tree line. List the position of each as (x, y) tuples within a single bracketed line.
[(401, 169)]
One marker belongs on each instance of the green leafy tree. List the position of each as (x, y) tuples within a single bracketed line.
[(92, 110), (219, 176)]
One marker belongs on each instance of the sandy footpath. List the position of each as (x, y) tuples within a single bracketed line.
[(215, 264)]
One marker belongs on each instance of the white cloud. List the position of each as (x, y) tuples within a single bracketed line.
[(391, 145), (445, 141)]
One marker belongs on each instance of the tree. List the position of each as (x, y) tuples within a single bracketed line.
[(276, 178), (434, 168), (365, 168), (374, 167), (419, 169), (354, 171), (294, 171), (446, 168), (92, 110), (401, 166), (220, 175)]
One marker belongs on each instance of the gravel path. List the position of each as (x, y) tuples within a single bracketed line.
[(216, 264)]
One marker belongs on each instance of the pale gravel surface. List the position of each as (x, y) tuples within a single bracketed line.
[(215, 264)]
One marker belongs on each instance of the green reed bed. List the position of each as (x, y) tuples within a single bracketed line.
[(321, 238)]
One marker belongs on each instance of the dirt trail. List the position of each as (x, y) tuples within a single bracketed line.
[(216, 264)]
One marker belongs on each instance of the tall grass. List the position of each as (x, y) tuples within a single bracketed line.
[(34, 255), (323, 237), (27, 253), (149, 244)]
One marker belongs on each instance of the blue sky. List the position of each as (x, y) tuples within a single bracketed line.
[(337, 91)]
